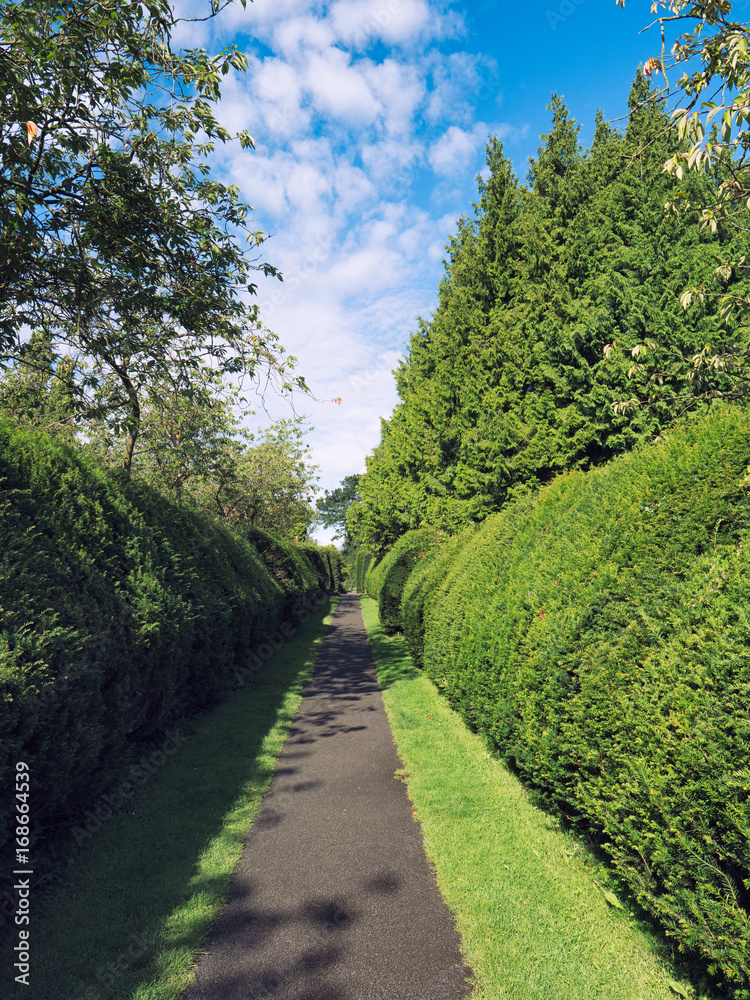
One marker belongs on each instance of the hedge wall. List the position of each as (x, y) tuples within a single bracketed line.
[(289, 565), (326, 561), (362, 564), (598, 634), (373, 579), (335, 566), (316, 557), (422, 584), (393, 572), (117, 609)]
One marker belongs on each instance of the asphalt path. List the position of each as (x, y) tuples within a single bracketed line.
[(334, 898)]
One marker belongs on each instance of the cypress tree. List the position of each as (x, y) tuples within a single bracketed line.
[(508, 384)]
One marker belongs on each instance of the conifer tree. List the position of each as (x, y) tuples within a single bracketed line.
[(508, 383)]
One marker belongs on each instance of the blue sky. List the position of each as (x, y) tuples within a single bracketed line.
[(370, 119)]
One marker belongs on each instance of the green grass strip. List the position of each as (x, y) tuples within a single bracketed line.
[(533, 921), (140, 898)]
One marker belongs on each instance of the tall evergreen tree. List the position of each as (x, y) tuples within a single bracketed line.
[(508, 383)]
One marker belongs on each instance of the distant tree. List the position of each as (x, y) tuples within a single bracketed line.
[(185, 436), (507, 385), (40, 390), (331, 508), (115, 241), (269, 484)]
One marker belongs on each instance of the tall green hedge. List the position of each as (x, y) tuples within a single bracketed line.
[(373, 579), (598, 634), (422, 584), (117, 610), (316, 557), (394, 570), (289, 565), (362, 564), (335, 563), (326, 561)]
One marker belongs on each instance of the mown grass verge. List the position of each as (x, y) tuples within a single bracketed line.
[(138, 901), (534, 920)]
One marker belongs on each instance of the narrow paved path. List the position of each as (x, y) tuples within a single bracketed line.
[(334, 898)]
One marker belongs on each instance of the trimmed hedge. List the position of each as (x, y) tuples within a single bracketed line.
[(361, 566), (597, 633), (423, 582), (117, 611), (315, 556), (373, 579), (393, 572), (335, 566), (326, 561), (289, 565)]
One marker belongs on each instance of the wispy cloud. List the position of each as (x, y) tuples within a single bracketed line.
[(357, 108)]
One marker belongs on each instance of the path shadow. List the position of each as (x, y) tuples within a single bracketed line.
[(320, 928)]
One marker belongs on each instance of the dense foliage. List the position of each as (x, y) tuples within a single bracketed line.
[(423, 583), (327, 563), (332, 507), (119, 611), (597, 634), (115, 240), (710, 110), (508, 384), (387, 581), (372, 578), (362, 562), (192, 448)]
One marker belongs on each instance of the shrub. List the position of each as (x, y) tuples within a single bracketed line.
[(597, 633), (288, 564), (119, 610), (372, 579), (335, 566), (362, 564), (317, 559), (393, 572), (422, 584), (326, 561)]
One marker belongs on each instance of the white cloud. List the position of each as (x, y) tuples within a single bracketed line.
[(456, 150), (297, 35), (359, 23), (274, 87), (400, 90), (340, 89), (346, 133)]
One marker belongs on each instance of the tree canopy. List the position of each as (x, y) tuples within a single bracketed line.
[(332, 508), (116, 241), (710, 111), (507, 385)]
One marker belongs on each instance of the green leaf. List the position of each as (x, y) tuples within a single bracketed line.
[(678, 988), (612, 899)]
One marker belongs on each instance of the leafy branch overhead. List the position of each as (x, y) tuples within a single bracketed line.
[(116, 240), (709, 118), (715, 87)]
